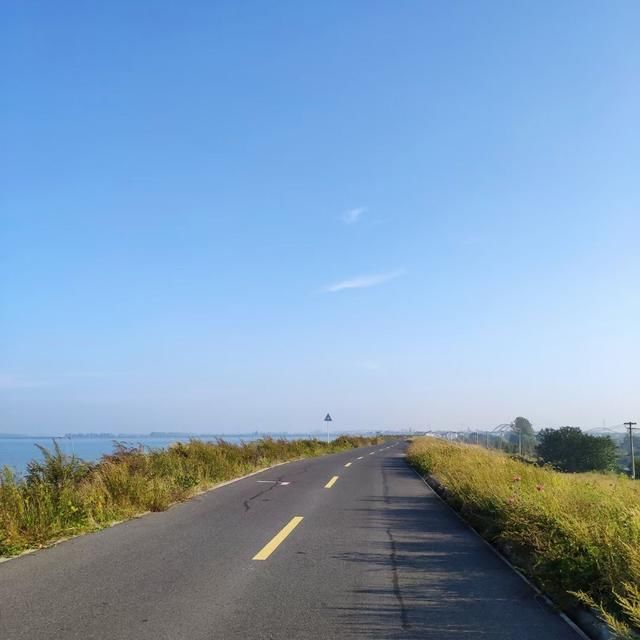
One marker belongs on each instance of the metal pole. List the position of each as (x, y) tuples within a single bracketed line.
[(630, 425), (520, 441)]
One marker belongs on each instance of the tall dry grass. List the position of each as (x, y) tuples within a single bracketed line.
[(62, 495), (577, 535)]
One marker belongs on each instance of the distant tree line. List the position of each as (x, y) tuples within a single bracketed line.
[(567, 449)]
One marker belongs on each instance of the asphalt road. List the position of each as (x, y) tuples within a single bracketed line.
[(373, 555)]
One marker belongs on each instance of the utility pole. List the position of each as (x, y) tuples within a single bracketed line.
[(630, 426), (520, 442)]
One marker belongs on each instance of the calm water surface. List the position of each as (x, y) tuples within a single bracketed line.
[(17, 452)]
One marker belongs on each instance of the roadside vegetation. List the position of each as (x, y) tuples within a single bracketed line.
[(569, 449), (576, 534), (61, 495)]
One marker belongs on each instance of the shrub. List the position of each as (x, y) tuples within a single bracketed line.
[(577, 535), (568, 449), (62, 495)]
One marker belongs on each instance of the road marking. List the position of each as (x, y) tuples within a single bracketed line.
[(348, 464), (360, 458), (372, 453), (331, 482), (284, 484), (278, 539)]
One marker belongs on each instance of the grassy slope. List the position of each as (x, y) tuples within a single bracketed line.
[(65, 496), (577, 535)]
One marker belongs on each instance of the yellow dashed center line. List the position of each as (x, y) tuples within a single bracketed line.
[(348, 464), (331, 482), (278, 539)]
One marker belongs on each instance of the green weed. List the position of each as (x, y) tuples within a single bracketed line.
[(62, 495), (577, 535)]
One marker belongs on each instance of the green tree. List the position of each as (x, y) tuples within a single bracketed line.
[(522, 433), (568, 449)]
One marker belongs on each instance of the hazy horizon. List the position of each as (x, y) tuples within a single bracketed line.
[(236, 217)]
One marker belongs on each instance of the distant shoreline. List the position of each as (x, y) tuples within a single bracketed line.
[(177, 434)]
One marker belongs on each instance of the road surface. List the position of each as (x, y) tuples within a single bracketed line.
[(352, 545)]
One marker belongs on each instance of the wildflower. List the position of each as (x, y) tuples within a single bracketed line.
[(540, 487), (511, 499), (516, 478)]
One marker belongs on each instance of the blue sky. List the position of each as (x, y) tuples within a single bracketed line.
[(234, 216)]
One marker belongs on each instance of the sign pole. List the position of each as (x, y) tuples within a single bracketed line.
[(328, 419)]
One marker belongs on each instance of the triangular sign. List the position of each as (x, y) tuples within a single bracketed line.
[(328, 418)]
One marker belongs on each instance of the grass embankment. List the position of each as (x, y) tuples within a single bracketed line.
[(64, 496), (576, 535)]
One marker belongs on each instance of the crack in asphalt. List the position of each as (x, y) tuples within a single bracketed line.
[(247, 502), (404, 617), (397, 592)]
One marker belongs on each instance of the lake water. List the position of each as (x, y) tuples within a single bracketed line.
[(17, 452)]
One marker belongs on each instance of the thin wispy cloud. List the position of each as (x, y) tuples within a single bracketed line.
[(471, 240), (353, 215), (369, 365), (12, 382), (362, 282)]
